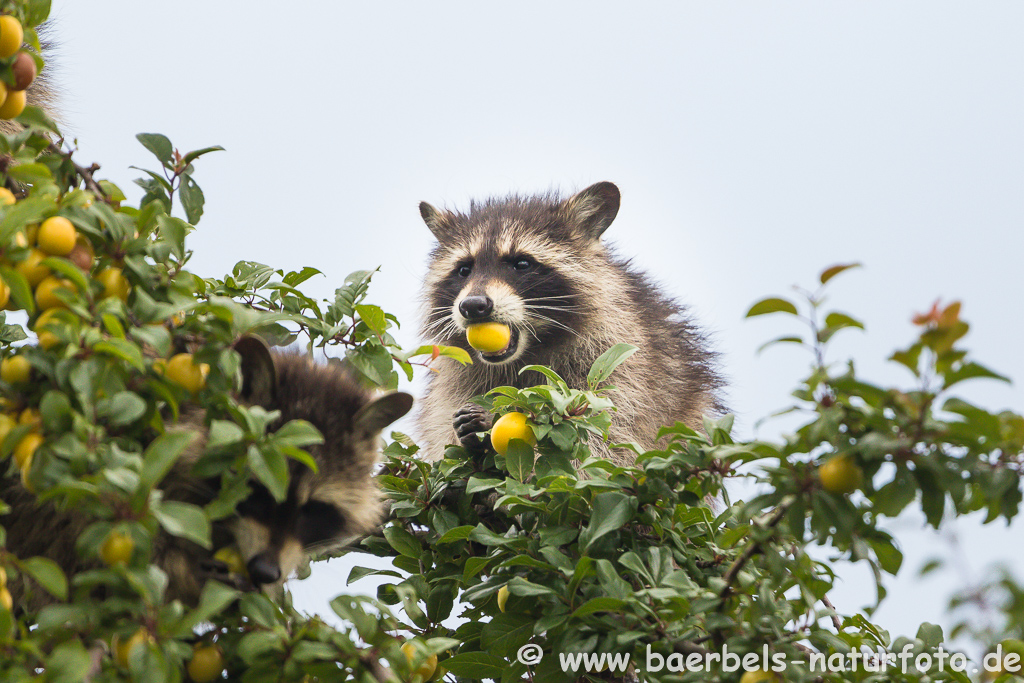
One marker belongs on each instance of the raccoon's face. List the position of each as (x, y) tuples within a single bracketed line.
[(322, 509), (518, 261)]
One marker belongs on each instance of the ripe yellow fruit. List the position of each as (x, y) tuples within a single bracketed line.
[(206, 665), (57, 236), (510, 426), (25, 483), (7, 423), (122, 650), (426, 668), (32, 268), (117, 549), (26, 448), (7, 197), (3, 577), (47, 339), (114, 283), (488, 337), (758, 676), (46, 292), (6, 600), (30, 416), (182, 369), (14, 104), (840, 475), (15, 369), (5, 293), (11, 36), (502, 597), (231, 556)]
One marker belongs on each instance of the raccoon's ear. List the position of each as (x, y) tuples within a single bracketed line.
[(379, 413), (435, 220), (591, 211), (259, 375)]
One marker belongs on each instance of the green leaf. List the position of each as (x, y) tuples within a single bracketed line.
[(519, 459), (506, 633), (523, 588), (459, 533), (599, 605), (970, 371), (402, 541), (123, 408), (890, 559), (611, 512), (123, 349), (830, 273), (840, 320), (475, 485), (608, 361), (215, 598), (174, 230), (780, 340), (192, 156), (70, 662), (258, 643), (191, 198), (374, 318), (159, 145), (772, 305), (47, 574), (475, 665), (456, 354), (21, 291), (546, 371), (271, 467), (184, 520), (161, 455), (298, 433)]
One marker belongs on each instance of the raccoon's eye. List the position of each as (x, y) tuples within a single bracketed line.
[(522, 264), (319, 522), (259, 505), (464, 270)]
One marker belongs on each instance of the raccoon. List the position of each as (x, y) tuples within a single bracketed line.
[(323, 509), (538, 265)]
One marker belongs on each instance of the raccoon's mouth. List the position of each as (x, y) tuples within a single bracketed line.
[(506, 353)]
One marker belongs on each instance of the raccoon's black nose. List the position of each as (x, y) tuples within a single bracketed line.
[(263, 570), (476, 307)]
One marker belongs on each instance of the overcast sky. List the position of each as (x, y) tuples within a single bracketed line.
[(754, 145)]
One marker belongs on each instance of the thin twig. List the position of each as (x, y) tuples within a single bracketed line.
[(755, 547), (82, 172), (835, 614)]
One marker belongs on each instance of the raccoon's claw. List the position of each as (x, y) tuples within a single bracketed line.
[(468, 420)]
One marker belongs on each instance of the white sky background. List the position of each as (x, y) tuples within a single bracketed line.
[(754, 144)]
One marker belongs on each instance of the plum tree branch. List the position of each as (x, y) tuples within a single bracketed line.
[(83, 172), (754, 547)]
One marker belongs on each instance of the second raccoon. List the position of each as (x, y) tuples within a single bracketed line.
[(321, 510), (538, 265)]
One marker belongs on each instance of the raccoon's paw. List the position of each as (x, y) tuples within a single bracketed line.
[(468, 420)]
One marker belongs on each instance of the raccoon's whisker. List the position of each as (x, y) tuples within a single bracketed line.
[(554, 308), (531, 329), (554, 322), (439, 323)]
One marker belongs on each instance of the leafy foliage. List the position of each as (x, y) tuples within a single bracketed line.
[(543, 545)]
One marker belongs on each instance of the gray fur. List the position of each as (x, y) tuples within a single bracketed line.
[(581, 300)]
